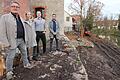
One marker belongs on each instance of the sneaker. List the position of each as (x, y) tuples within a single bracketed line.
[(28, 66), (9, 75)]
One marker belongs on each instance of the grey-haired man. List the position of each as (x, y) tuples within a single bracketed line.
[(13, 35)]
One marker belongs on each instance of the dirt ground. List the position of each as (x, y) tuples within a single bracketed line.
[(55, 65), (101, 62), (49, 67)]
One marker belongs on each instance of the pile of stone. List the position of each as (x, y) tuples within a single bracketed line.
[(56, 65)]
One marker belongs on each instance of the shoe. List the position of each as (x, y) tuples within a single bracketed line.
[(9, 75), (34, 58), (28, 66), (57, 49), (28, 59)]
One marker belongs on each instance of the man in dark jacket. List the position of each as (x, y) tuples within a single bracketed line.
[(54, 31)]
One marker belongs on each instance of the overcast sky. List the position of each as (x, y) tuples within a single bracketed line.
[(111, 6)]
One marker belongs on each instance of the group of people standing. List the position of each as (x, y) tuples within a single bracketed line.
[(24, 35)]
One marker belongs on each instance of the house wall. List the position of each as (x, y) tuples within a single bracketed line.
[(24, 7), (1, 7), (68, 24)]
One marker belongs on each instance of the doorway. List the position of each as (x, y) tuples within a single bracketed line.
[(42, 9)]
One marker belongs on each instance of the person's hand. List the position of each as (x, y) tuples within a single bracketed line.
[(54, 33)]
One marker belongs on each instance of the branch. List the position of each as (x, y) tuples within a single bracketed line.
[(75, 8)]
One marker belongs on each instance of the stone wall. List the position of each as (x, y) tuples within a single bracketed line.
[(0, 7), (24, 7)]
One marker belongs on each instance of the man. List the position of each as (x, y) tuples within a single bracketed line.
[(54, 31), (40, 29), (13, 35)]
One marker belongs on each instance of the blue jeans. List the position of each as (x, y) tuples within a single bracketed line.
[(11, 54)]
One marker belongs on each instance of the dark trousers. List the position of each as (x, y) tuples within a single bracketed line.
[(39, 35), (51, 41)]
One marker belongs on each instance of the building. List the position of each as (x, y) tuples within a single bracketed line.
[(47, 7), (76, 22), (107, 24), (76, 18), (67, 22), (1, 5)]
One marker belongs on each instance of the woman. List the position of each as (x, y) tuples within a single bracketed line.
[(31, 42)]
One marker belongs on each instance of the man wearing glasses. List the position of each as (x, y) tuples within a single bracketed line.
[(13, 35)]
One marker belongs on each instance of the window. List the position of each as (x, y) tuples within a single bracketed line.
[(67, 18)]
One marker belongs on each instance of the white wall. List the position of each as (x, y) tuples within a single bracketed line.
[(67, 24)]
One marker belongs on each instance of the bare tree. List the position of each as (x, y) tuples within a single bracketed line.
[(86, 8)]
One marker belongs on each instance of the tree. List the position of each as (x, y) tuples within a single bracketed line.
[(88, 10), (119, 23), (88, 22)]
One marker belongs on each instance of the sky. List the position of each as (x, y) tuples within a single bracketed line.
[(111, 7)]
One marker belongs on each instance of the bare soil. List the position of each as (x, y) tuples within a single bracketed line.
[(55, 65), (101, 62)]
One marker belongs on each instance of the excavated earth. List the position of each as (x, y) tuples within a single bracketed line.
[(64, 64), (102, 62)]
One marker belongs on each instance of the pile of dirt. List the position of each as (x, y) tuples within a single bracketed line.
[(101, 62), (56, 65), (53, 66)]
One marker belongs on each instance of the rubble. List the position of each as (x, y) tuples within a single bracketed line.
[(56, 65)]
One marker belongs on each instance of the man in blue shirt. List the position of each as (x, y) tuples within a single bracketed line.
[(40, 29)]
